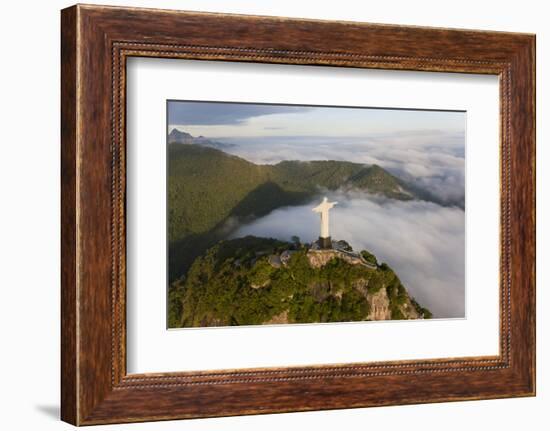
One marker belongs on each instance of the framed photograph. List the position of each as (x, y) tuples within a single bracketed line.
[(263, 214)]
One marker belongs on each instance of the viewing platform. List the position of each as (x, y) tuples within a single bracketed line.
[(319, 256)]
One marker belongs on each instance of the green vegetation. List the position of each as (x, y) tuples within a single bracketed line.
[(427, 314), (234, 283), (369, 257), (209, 191)]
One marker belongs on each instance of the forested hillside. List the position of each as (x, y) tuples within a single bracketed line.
[(209, 191), (243, 282)]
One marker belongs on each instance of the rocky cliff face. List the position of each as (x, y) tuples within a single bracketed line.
[(379, 306)]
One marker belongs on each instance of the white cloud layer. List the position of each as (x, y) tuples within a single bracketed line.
[(423, 242)]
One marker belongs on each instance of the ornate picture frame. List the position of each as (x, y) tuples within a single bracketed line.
[(96, 41)]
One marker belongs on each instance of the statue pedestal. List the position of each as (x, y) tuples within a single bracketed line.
[(325, 242)]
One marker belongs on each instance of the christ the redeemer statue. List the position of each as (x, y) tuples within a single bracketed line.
[(322, 208)]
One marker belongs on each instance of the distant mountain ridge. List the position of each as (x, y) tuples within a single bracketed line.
[(178, 137)]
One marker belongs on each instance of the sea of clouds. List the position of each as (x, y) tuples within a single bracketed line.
[(422, 241), (433, 160)]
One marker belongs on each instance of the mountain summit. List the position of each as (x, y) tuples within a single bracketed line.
[(256, 281), (178, 137)]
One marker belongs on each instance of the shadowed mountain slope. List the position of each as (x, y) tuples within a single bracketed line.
[(210, 191)]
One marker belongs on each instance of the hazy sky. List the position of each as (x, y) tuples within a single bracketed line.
[(216, 120)]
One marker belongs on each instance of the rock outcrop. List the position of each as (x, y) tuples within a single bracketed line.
[(379, 306), (319, 258)]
